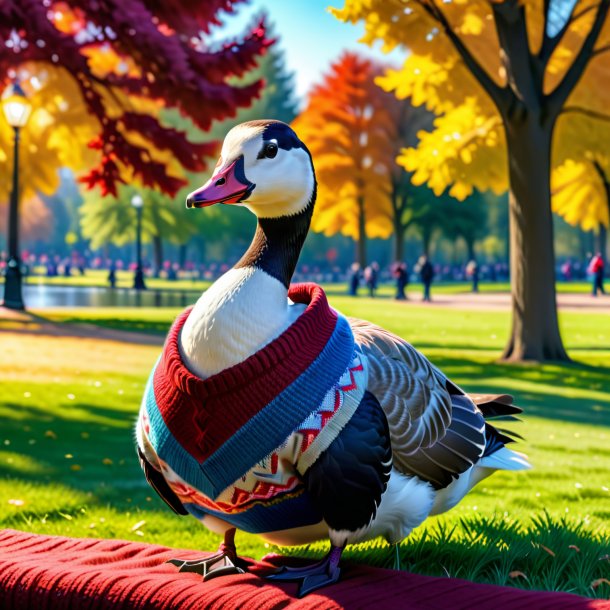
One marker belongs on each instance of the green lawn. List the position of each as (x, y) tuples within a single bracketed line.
[(68, 465)]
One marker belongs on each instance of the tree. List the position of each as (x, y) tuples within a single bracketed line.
[(581, 195), (37, 220), (106, 220), (406, 203), (99, 73), (346, 127), (466, 219), (498, 75)]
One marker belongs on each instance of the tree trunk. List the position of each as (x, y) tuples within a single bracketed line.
[(399, 242), (158, 254), (426, 239), (470, 249), (603, 231), (535, 330), (361, 242), (602, 241), (182, 248)]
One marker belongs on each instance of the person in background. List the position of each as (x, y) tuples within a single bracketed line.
[(472, 271), (354, 279), (596, 269), (112, 275), (426, 275), (401, 272), (371, 277)]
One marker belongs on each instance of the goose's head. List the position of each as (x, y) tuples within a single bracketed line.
[(263, 166)]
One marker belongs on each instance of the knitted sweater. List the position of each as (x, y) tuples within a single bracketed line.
[(233, 445)]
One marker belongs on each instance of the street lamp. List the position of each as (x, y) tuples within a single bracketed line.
[(138, 279), (17, 109)]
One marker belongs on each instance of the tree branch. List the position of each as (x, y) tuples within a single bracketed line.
[(549, 44), (600, 50), (522, 71), (592, 114), (500, 95), (560, 94)]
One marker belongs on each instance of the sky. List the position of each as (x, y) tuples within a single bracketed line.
[(309, 35)]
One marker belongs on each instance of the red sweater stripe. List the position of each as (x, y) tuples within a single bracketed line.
[(230, 398)]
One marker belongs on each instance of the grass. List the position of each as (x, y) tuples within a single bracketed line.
[(68, 467)]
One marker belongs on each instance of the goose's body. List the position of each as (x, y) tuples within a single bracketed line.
[(412, 446)]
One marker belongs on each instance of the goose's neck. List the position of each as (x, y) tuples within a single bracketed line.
[(247, 307), (277, 245)]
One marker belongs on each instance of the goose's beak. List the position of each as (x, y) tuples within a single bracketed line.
[(229, 185)]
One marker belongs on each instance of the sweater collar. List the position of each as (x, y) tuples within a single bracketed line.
[(299, 343)]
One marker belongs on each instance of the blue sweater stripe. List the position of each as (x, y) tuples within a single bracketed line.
[(170, 450), (261, 518), (266, 431)]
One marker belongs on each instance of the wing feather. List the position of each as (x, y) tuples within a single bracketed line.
[(412, 392)]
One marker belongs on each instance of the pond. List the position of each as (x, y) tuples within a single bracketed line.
[(37, 296)]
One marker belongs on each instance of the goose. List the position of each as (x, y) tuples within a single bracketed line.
[(270, 412)]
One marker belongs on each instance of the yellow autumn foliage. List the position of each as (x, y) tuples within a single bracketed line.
[(467, 147)]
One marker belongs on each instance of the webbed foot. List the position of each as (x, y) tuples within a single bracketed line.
[(315, 576), (223, 563)]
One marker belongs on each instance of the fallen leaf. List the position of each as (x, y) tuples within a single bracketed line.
[(600, 581), (66, 516), (76, 467), (574, 548), (517, 574), (138, 525), (546, 548), (107, 461), (50, 434)]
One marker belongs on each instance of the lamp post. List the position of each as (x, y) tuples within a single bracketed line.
[(138, 279), (17, 109)]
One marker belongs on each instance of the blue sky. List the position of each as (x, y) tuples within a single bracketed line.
[(309, 35)]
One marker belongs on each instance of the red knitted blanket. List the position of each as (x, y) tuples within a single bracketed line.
[(48, 572)]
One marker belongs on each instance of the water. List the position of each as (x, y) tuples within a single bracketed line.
[(39, 296)]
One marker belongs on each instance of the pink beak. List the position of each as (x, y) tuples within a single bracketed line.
[(227, 186)]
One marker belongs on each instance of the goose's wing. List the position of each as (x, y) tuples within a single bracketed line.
[(412, 392)]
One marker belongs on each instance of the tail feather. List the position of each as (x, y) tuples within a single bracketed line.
[(505, 459), (496, 405), (496, 456)]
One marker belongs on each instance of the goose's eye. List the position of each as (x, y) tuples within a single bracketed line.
[(270, 150)]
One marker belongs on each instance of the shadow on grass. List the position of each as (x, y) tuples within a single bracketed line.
[(547, 554), (146, 332), (99, 443), (474, 376)]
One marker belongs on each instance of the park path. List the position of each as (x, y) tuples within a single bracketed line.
[(500, 301)]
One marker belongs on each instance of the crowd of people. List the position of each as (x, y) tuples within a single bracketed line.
[(423, 271)]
